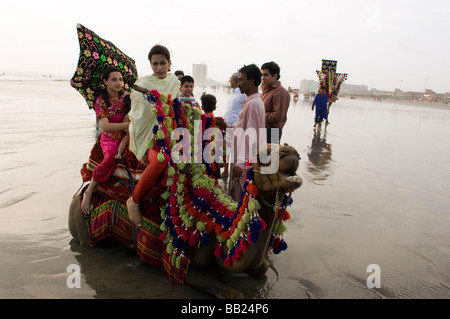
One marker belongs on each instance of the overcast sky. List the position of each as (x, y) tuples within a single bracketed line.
[(382, 44)]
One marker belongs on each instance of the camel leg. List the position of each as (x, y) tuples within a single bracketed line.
[(258, 271), (77, 223), (207, 281)]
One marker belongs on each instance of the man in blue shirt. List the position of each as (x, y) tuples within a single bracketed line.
[(234, 106), (321, 104), (235, 101)]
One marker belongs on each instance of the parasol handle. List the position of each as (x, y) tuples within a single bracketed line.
[(141, 89)]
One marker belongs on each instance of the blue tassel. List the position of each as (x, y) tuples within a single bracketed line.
[(256, 225), (276, 250), (204, 238), (161, 143), (151, 98), (160, 118), (250, 175), (168, 222), (254, 237), (178, 243), (155, 129)]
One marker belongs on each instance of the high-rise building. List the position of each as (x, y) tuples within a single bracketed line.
[(199, 73)]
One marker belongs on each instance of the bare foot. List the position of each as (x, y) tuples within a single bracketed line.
[(118, 156), (133, 212), (86, 203)]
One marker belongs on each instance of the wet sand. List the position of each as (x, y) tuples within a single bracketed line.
[(376, 191)]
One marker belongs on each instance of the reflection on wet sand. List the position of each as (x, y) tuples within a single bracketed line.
[(319, 155), (135, 279)]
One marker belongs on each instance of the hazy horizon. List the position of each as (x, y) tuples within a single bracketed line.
[(381, 44)]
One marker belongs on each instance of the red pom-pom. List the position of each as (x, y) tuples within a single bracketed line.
[(218, 250), (263, 224), (227, 261), (242, 245)]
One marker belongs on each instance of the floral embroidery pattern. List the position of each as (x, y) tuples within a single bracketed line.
[(95, 55)]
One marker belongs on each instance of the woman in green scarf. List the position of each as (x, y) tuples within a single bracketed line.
[(142, 123)]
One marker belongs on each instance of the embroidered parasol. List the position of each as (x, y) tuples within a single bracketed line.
[(331, 80), (95, 55)]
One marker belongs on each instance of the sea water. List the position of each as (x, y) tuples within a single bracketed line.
[(375, 193)]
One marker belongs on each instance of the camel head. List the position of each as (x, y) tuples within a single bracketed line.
[(276, 168)]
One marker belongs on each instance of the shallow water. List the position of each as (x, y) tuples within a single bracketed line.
[(376, 191)]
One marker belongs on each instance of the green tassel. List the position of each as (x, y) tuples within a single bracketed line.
[(160, 135), (174, 260), (165, 195), (190, 222), (161, 157), (200, 226), (166, 108), (169, 182), (168, 122), (281, 229), (163, 97), (150, 144), (163, 226), (169, 248), (178, 262), (230, 244), (171, 171), (253, 205)]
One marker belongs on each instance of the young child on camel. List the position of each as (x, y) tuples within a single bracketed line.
[(111, 108), (186, 90), (209, 102)]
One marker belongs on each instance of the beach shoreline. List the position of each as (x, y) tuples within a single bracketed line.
[(369, 196)]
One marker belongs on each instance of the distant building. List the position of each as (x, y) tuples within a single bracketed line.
[(199, 73), (309, 86), (313, 86), (353, 88)]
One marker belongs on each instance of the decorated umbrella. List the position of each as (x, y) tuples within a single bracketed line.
[(96, 54), (331, 80)]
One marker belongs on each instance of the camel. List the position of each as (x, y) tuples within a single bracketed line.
[(272, 187), (189, 226)]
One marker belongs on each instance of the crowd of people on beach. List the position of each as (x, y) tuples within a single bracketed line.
[(126, 120)]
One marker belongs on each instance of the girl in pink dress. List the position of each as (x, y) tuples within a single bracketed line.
[(111, 108)]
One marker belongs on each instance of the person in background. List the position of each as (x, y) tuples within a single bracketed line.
[(234, 106), (142, 123), (110, 108), (251, 118), (186, 90), (321, 104), (209, 102), (276, 101), (179, 74)]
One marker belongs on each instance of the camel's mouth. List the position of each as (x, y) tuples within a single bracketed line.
[(294, 181)]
